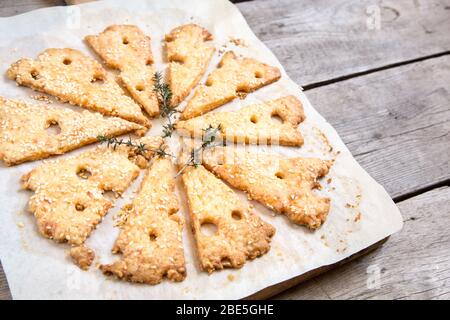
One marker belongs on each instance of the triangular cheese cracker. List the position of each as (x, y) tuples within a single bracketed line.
[(234, 76), (128, 49), (237, 235), (69, 198), (284, 185), (74, 77), (188, 54), (271, 122), (151, 237), (24, 129)]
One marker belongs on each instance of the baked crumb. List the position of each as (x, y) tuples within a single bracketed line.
[(238, 42), (40, 97), (82, 256)]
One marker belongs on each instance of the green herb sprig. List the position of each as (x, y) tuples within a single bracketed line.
[(166, 109), (208, 141), (138, 148)]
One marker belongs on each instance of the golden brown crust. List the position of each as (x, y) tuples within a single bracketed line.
[(254, 124), (233, 77), (121, 46), (188, 54), (69, 200), (24, 136), (82, 256), (128, 49), (284, 185), (74, 77), (150, 240), (240, 234)]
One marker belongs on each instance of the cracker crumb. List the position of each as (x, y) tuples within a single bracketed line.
[(82, 256), (238, 42), (40, 97), (231, 277)]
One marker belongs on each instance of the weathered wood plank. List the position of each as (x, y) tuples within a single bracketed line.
[(413, 264), (271, 291), (396, 123), (343, 35), (322, 39), (13, 7), (4, 289)]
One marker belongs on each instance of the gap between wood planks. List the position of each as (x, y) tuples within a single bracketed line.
[(418, 246), (415, 193), (370, 71)]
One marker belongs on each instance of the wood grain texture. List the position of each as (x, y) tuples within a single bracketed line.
[(275, 289), (413, 264), (12, 7), (395, 122), (4, 289), (321, 40)]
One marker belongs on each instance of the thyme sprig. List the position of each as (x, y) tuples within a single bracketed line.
[(208, 141), (138, 148), (167, 110)]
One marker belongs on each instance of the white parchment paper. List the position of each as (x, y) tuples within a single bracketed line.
[(362, 213)]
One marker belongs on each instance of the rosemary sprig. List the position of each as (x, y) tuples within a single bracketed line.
[(209, 137), (167, 110), (139, 148)]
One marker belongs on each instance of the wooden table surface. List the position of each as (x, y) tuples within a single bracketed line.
[(389, 61)]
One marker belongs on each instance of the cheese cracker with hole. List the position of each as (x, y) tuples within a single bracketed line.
[(128, 49), (150, 240), (69, 193), (284, 185), (25, 130), (188, 54), (237, 233), (78, 79), (271, 122), (234, 77)]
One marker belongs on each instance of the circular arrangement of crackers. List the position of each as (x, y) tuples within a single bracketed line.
[(69, 197)]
